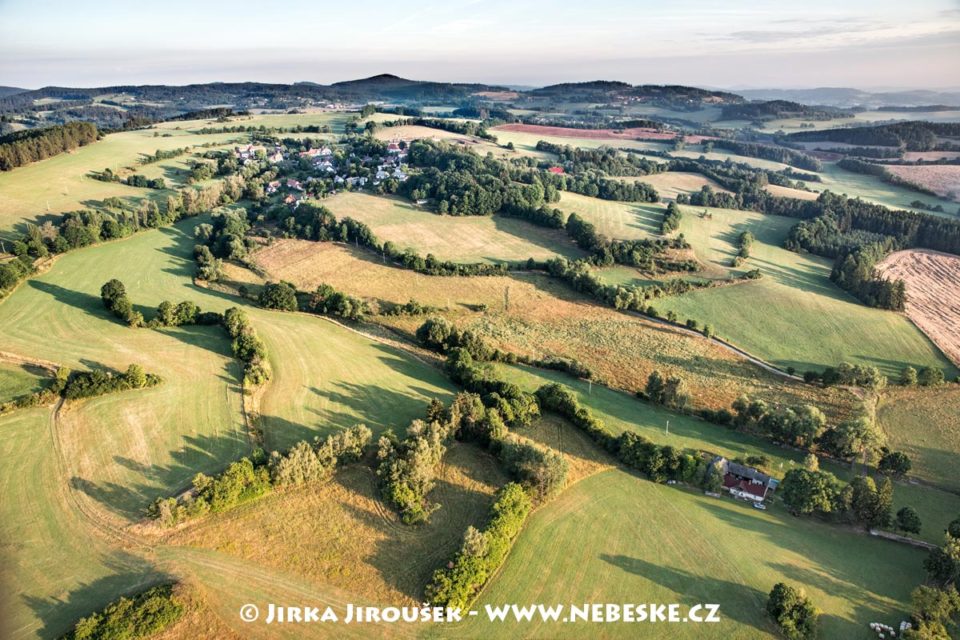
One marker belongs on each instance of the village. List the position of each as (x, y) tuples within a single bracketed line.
[(319, 171)]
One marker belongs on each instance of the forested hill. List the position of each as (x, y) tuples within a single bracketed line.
[(605, 90), (780, 109), (914, 135)]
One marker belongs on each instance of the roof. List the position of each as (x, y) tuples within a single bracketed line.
[(557, 170), (747, 472)]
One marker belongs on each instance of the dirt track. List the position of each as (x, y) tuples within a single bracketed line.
[(933, 294)]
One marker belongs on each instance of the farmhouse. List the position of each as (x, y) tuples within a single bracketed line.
[(743, 481), (556, 170)]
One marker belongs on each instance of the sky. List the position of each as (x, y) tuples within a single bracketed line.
[(736, 44)]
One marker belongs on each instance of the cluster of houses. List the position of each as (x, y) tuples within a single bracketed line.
[(742, 481), (248, 154), (388, 167)]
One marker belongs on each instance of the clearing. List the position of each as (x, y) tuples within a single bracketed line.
[(669, 184), (459, 238)]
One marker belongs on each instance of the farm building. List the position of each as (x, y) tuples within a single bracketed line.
[(743, 481)]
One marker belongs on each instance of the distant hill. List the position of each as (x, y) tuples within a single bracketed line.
[(774, 109), (676, 97), (387, 85), (847, 97), (9, 91)]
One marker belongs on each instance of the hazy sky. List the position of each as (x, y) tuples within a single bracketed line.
[(731, 43)]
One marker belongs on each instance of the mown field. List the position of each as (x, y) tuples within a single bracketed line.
[(616, 538), (925, 423), (329, 378), (794, 298), (615, 220), (53, 568), (457, 238), (61, 183), (121, 451), (18, 380)]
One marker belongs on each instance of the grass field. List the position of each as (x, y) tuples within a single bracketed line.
[(695, 151), (341, 535), (925, 424), (327, 378), (616, 220), (621, 412), (873, 189), (53, 569), (334, 119), (532, 315), (794, 298), (18, 380), (527, 142), (55, 185), (669, 184), (787, 192), (121, 451), (616, 538), (457, 238)]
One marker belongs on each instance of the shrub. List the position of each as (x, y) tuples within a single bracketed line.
[(128, 618), (278, 295), (793, 612), (482, 552)]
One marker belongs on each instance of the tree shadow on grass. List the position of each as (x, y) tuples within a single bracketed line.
[(737, 601), (129, 499), (129, 575), (406, 556), (849, 559)]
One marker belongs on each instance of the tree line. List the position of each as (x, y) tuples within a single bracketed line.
[(605, 159), (23, 147), (770, 152), (246, 344), (251, 477)]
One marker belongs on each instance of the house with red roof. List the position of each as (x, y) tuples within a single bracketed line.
[(742, 481), (556, 170)]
